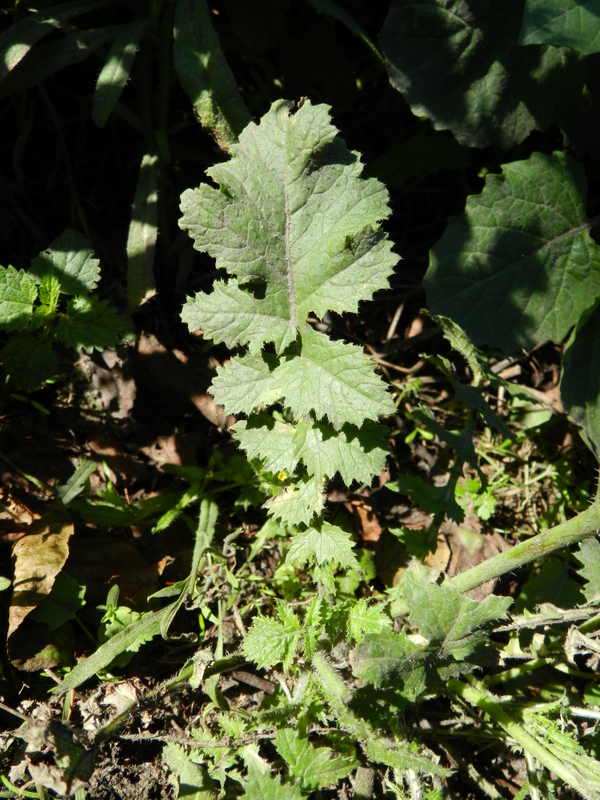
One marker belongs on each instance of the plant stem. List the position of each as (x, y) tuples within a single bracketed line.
[(492, 706), (573, 530)]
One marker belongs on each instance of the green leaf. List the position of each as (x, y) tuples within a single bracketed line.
[(333, 379), (589, 557), (115, 72), (420, 155), (386, 656), (314, 767), (62, 604), (41, 62), (268, 641), (71, 260), (293, 218), (580, 381), (298, 503), (193, 781), (356, 453), (261, 785), (323, 543), (460, 64), (366, 619), (446, 618), (245, 383), (18, 293), (205, 74), (17, 40), (29, 361), (519, 267), (565, 23), (90, 324), (143, 233)]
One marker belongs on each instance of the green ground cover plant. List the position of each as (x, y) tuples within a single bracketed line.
[(265, 133)]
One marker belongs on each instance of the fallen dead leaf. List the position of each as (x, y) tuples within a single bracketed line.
[(39, 557)]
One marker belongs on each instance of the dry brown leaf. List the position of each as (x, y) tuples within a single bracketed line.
[(39, 557)]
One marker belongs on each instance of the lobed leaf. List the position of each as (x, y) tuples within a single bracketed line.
[(367, 619), (268, 641), (323, 543), (300, 502), (356, 453), (314, 767), (70, 259), (519, 267), (332, 379), (291, 215), (444, 617), (565, 23), (18, 293), (90, 324)]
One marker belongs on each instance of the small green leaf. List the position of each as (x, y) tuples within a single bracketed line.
[(564, 23), (90, 324), (71, 260), (29, 361), (269, 642), (520, 266), (298, 503), (4, 584), (366, 619), (323, 544), (143, 233), (589, 556), (18, 293), (314, 767), (261, 785), (193, 781), (115, 72)]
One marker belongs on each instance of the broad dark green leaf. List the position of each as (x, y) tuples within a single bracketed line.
[(460, 64), (552, 583), (62, 604), (580, 381), (566, 23), (29, 361), (519, 267), (115, 72)]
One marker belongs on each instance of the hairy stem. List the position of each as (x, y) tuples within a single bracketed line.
[(574, 530)]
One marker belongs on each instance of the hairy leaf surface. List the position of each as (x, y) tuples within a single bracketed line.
[(314, 767), (519, 267), (293, 216)]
